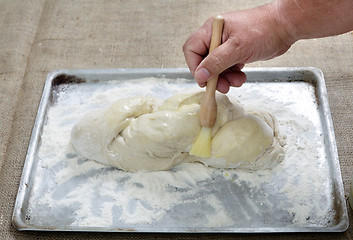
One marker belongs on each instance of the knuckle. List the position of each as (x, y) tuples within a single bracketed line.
[(219, 62), (235, 43), (186, 45)]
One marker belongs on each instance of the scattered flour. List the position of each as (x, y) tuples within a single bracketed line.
[(76, 193)]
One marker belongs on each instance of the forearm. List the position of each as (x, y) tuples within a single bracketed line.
[(305, 19)]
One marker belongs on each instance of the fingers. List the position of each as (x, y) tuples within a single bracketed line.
[(204, 65), (222, 85), (229, 79), (235, 78), (204, 68), (217, 61), (196, 46)]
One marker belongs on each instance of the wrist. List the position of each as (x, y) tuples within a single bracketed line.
[(303, 19), (284, 29)]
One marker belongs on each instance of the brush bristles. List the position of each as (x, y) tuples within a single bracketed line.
[(202, 145)]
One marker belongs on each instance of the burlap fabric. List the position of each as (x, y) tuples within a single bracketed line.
[(37, 37)]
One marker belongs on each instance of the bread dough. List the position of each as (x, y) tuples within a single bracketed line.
[(138, 134)]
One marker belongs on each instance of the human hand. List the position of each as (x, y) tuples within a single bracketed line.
[(248, 36)]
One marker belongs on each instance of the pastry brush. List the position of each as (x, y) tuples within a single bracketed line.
[(208, 110)]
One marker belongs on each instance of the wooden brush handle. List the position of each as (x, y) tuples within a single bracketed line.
[(208, 110)]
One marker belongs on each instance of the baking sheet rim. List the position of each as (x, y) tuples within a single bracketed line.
[(303, 74)]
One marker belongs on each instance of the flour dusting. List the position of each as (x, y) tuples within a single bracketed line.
[(83, 194)]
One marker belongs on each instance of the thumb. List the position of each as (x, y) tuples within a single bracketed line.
[(217, 61)]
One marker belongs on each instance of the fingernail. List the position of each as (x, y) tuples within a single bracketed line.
[(202, 84), (202, 74)]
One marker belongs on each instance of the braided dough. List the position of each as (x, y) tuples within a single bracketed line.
[(138, 134)]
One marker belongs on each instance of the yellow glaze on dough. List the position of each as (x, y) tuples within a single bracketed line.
[(241, 141), (134, 134)]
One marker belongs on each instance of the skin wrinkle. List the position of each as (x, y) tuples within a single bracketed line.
[(257, 31), (287, 39), (217, 60), (298, 4)]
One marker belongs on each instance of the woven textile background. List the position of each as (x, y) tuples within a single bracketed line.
[(37, 37)]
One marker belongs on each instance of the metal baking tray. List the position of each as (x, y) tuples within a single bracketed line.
[(301, 195)]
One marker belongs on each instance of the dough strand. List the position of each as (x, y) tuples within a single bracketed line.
[(135, 134)]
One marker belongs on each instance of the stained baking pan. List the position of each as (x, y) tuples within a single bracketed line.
[(61, 191)]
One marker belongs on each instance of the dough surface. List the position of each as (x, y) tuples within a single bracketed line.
[(138, 134)]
